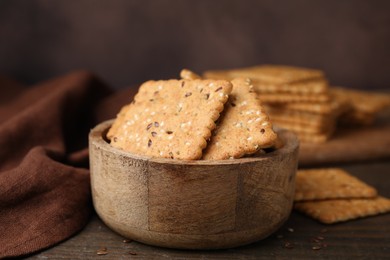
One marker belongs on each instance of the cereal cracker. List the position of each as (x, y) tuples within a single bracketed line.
[(314, 138), (276, 79), (170, 119), (330, 183), (299, 117), (188, 74), (243, 128), (305, 128), (338, 210), (277, 74), (284, 98), (362, 101), (333, 106)]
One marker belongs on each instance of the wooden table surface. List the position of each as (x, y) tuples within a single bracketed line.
[(367, 238)]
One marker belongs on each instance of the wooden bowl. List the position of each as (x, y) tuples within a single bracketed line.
[(192, 204)]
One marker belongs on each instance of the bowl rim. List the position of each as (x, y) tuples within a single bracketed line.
[(96, 137)]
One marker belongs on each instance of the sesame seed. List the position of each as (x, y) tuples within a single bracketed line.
[(250, 121), (258, 112), (221, 94), (265, 124), (188, 143), (243, 103), (249, 138), (160, 87), (211, 84), (258, 119), (152, 113), (161, 153), (170, 137)]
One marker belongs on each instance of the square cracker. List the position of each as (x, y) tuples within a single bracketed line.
[(338, 210), (330, 183), (170, 119), (243, 128)]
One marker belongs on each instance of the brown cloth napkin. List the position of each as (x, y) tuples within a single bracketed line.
[(44, 178)]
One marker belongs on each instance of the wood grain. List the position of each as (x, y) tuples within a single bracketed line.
[(366, 238), (195, 204)]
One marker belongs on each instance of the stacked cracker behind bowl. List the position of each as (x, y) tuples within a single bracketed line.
[(297, 99)]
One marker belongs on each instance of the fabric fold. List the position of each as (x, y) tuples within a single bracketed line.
[(44, 177)]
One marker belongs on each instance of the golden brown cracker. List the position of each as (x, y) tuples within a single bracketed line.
[(299, 117), (362, 101), (171, 119), (278, 79), (188, 74), (314, 138), (333, 106), (277, 74), (305, 128), (330, 183), (285, 98), (243, 128), (308, 87), (338, 210)]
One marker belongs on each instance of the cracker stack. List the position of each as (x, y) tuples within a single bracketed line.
[(332, 195), (295, 98)]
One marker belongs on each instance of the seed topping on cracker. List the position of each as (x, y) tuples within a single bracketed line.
[(170, 119)]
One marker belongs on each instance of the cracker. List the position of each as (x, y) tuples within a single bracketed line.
[(276, 79), (170, 119), (188, 74), (333, 106), (304, 128), (304, 118), (362, 101), (330, 183), (313, 138), (316, 86), (284, 98), (332, 211), (244, 127), (277, 74)]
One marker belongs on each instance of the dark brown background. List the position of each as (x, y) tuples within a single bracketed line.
[(129, 41)]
